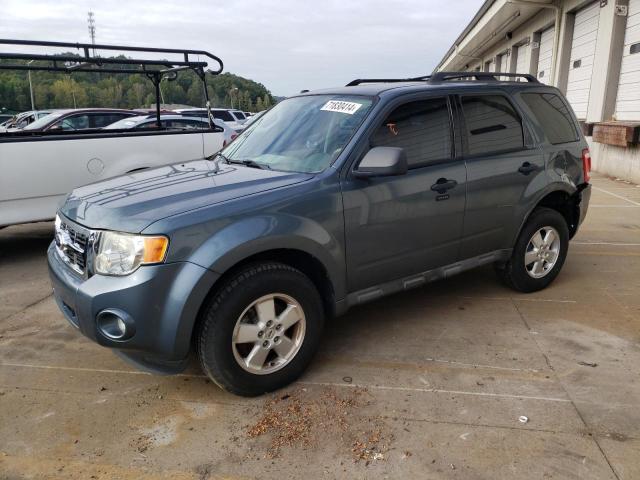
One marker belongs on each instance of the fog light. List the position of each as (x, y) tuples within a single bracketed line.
[(115, 324)]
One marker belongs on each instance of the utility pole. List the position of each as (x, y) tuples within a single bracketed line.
[(234, 89), (33, 104), (92, 29)]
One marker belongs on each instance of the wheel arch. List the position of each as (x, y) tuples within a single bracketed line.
[(561, 198), (299, 259)]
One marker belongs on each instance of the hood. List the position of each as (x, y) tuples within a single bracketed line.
[(132, 202)]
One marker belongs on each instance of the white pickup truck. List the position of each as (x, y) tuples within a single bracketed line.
[(38, 170)]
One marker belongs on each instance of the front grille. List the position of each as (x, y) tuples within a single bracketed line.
[(71, 243)]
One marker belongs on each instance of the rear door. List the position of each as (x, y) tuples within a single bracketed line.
[(403, 225), (502, 164)]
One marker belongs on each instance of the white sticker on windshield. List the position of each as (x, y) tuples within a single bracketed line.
[(341, 107)]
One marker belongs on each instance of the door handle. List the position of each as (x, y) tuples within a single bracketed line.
[(526, 168), (443, 184)]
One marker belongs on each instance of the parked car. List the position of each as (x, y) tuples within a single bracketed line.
[(239, 116), (248, 114), (176, 122), (219, 113), (253, 118), (39, 168), (5, 117), (335, 198), (24, 119), (78, 119)]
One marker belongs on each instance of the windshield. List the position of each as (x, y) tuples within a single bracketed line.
[(301, 134), (128, 122), (43, 121)]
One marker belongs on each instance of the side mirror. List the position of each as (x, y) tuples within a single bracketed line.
[(382, 162)]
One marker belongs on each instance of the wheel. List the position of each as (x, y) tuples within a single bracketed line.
[(539, 252), (261, 329)]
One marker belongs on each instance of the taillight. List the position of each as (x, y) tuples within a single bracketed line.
[(233, 136), (586, 164), (224, 143)]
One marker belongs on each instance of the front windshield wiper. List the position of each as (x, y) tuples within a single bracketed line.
[(249, 163)]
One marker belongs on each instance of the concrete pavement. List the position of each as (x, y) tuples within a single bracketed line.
[(441, 374)]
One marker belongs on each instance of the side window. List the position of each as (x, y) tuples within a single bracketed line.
[(492, 124), (553, 116), (103, 119), (75, 122), (421, 128)]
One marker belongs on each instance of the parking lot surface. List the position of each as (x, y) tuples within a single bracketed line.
[(461, 379)]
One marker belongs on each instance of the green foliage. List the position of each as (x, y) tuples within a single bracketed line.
[(80, 89)]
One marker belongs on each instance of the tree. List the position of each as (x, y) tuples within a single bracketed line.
[(94, 89)]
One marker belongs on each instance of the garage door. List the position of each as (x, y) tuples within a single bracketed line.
[(490, 66), (504, 63), (546, 54), (583, 49), (521, 59), (628, 102)]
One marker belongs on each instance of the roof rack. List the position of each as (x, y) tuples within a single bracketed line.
[(89, 61), (491, 76), (359, 81), (446, 76)]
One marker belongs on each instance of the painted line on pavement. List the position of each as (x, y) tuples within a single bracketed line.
[(615, 244), (435, 390), (616, 195)]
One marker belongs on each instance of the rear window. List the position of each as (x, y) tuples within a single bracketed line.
[(553, 116), (223, 115), (492, 124)]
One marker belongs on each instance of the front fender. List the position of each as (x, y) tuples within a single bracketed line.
[(261, 233)]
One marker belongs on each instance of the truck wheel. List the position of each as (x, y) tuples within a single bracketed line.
[(539, 252), (261, 329)]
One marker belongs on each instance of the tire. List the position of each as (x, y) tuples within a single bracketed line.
[(539, 272), (232, 316)]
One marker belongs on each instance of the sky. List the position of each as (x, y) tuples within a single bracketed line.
[(287, 45)]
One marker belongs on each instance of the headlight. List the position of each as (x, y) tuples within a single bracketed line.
[(122, 253)]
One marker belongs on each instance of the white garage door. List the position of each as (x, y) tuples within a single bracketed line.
[(583, 49), (521, 59), (546, 53), (628, 102), (490, 66), (504, 63)]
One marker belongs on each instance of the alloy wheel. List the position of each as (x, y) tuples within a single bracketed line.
[(268, 334)]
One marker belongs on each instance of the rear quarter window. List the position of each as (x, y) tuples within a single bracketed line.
[(553, 116)]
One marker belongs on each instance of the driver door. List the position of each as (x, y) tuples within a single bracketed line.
[(404, 225)]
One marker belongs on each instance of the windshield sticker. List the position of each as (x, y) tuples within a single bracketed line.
[(341, 107)]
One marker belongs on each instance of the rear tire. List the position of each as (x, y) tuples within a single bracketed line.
[(261, 329), (539, 252)]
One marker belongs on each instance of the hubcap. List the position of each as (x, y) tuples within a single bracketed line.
[(542, 252), (268, 334)]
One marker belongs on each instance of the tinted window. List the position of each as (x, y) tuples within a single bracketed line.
[(492, 125), (421, 128), (103, 119), (553, 116)]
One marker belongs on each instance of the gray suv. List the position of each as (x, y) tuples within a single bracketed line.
[(331, 199)]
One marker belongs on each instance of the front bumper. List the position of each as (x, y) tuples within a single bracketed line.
[(163, 301)]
